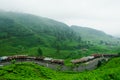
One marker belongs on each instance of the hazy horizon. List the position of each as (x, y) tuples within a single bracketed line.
[(101, 15)]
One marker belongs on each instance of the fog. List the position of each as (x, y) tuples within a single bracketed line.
[(98, 14)]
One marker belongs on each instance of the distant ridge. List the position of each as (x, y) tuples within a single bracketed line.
[(93, 34)]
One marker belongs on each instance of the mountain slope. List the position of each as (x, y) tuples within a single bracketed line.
[(22, 33), (94, 35)]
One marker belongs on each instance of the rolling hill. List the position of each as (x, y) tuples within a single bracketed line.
[(22, 33), (93, 34)]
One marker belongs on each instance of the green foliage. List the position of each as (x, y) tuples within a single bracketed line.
[(40, 53), (25, 33), (30, 71), (13, 61)]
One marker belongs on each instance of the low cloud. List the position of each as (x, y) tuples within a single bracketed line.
[(99, 14)]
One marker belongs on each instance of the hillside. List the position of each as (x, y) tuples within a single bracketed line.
[(94, 35), (22, 33), (25, 71)]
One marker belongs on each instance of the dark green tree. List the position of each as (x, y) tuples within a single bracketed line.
[(99, 63), (40, 53), (118, 53)]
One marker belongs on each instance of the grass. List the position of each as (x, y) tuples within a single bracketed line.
[(31, 71)]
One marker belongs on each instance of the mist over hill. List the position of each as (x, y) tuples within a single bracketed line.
[(59, 40), (93, 34), (22, 33)]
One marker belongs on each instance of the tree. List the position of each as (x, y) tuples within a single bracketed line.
[(99, 63), (40, 53), (118, 53)]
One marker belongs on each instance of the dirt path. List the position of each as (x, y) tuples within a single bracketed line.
[(90, 65)]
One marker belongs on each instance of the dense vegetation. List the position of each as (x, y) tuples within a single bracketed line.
[(33, 35), (25, 34), (30, 71)]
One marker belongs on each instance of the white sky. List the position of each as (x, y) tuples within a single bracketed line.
[(98, 14)]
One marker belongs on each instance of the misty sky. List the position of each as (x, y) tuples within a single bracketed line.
[(99, 14)]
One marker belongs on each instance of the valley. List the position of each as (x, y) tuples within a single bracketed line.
[(39, 48)]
